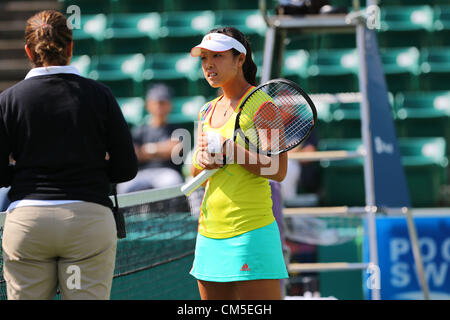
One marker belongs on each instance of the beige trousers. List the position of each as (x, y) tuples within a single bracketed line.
[(72, 246)]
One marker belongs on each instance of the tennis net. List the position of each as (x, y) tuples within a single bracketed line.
[(154, 260)]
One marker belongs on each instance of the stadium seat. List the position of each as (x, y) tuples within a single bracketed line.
[(337, 40), (333, 71), (346, 120), (442, 18), (122, 73), (203, 88), (247, 4), (324, 118), (133, 110), (296, 41), (404, 2), (423, 159), (340, 119), (403, 26), (338, 191), (401, 68), (184, 114), (180, 31), (425, 166), (141, 6), (391, 2), (82, 63), (441, 35), (249, 22), (88, 6), (407, 18), (436, 100), (435, 68), (423, 114), (132, 33), (197, 5), (432, 148), (341, 3), (295, 67), (178, 70), (185, 109), (88, 39)]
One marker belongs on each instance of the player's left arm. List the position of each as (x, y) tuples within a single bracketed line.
[(271, 167)]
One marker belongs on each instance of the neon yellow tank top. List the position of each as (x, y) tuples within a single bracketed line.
[(235, 200)]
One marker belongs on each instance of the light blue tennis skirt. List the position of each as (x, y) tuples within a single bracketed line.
[(253, 255)]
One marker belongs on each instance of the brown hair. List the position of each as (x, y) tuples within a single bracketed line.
[(47, 36), (249, 68)]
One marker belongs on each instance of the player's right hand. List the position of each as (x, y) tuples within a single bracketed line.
[(205, 159)]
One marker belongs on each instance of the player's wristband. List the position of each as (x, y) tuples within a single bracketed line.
[(194, 160)]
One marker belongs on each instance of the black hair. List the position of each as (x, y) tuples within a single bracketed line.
[(249, 68)]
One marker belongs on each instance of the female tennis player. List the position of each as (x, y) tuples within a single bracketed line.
[(238, 251), (70, 141)]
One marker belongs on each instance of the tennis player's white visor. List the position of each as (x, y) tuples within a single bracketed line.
[(218, 42)]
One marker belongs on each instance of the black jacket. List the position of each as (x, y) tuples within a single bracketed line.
[(58, 128)]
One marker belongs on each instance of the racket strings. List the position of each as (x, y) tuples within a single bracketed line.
[(276, 117), (277, 131)]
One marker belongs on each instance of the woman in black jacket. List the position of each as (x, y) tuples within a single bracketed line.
[(69, 141)]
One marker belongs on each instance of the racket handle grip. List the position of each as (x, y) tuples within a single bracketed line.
[(192, 185)]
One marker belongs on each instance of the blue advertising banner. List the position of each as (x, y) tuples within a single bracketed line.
[(390, 187), (399, 279)]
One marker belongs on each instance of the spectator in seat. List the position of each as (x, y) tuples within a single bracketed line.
[(154, 146)]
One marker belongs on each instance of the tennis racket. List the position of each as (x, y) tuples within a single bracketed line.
[(274, 118)]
